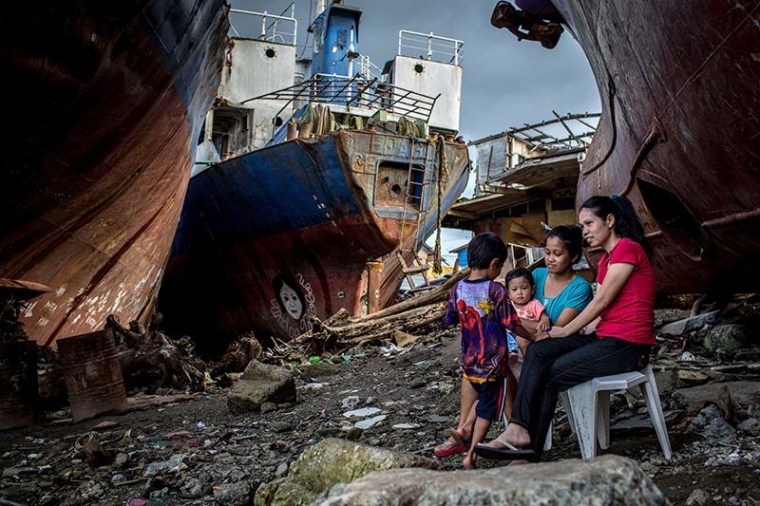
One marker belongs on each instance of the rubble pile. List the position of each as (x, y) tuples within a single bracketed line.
[(10, 328), (150, 360)]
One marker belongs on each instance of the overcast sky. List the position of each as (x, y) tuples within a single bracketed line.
[(505, 83)]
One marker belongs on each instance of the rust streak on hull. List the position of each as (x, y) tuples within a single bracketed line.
[(113, 96)]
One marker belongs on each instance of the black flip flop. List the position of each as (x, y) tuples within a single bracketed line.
[(488, 452)]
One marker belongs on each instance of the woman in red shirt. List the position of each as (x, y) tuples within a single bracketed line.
[(623, 309)]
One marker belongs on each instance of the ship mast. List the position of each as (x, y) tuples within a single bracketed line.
[(319, 6)]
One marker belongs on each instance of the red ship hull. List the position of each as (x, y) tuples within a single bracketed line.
[(108, 100), (680, 131)]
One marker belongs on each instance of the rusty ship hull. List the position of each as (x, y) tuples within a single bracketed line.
[(107, 103), (306, 214), (680, 131)]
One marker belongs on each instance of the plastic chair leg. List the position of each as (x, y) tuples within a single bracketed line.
[(569, 411), (652, 397), (583, 400), (603, 419)]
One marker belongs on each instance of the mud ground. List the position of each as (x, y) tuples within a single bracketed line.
[(214, 449)]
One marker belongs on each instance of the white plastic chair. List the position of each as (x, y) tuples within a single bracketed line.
[(588, 409)]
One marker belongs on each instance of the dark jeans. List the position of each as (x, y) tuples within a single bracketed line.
[(552, 366)]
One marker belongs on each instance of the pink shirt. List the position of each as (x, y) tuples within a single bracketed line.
[(630, 316), (530, 311)]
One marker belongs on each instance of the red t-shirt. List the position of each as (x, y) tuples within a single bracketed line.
[(631, 315)]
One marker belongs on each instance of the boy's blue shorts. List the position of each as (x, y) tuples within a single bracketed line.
[(491, 397)]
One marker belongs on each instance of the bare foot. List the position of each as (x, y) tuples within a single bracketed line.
[(469, 462), (459, 436)]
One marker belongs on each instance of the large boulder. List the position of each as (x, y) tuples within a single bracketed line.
[(609, 479), (328, 463), (693, 399), (261, 383), (730, 338)]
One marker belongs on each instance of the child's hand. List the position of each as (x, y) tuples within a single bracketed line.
[(544, 322), (543, 327)]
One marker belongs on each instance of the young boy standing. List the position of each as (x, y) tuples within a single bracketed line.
[(482, 308)]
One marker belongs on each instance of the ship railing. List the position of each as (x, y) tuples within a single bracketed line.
[(356, 93), (274, 28), (367, 68), (430, 47)]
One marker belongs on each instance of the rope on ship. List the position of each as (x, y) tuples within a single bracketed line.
[(426, 176), (443, 174)]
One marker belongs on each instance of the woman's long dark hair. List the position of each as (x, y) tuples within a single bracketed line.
[(572, 237), (627, 222)]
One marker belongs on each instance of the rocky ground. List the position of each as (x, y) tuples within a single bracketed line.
[(194, 451)]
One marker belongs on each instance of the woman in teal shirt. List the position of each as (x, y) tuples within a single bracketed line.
[(563, 293)]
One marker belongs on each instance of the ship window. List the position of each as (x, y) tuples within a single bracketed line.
[(419, 68), (393, 188), (270, 52)]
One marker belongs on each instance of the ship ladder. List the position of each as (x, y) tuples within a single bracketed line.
[(417, 180)]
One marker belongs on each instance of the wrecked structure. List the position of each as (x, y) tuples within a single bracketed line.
[(356, 163), (679, 128), (526, 181), (108, 101)]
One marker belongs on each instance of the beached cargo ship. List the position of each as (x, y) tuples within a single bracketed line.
[(680, 131), (319, 177), (106, 103)]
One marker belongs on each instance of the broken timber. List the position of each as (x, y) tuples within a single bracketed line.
[(341, 332)]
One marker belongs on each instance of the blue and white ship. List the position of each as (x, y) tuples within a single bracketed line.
[(317, 178)]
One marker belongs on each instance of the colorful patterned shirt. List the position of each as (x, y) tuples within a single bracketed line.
[(485, 314)]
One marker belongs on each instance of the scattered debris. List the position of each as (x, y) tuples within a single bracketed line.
[(151, 361), (237, 356), (191, 449), (360, 413)]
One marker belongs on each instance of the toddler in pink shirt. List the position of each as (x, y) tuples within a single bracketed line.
[(521, 287)]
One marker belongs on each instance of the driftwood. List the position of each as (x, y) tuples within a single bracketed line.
[(150, 360), (237, 355), (439, 293), (340, 331), (382, 328)]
